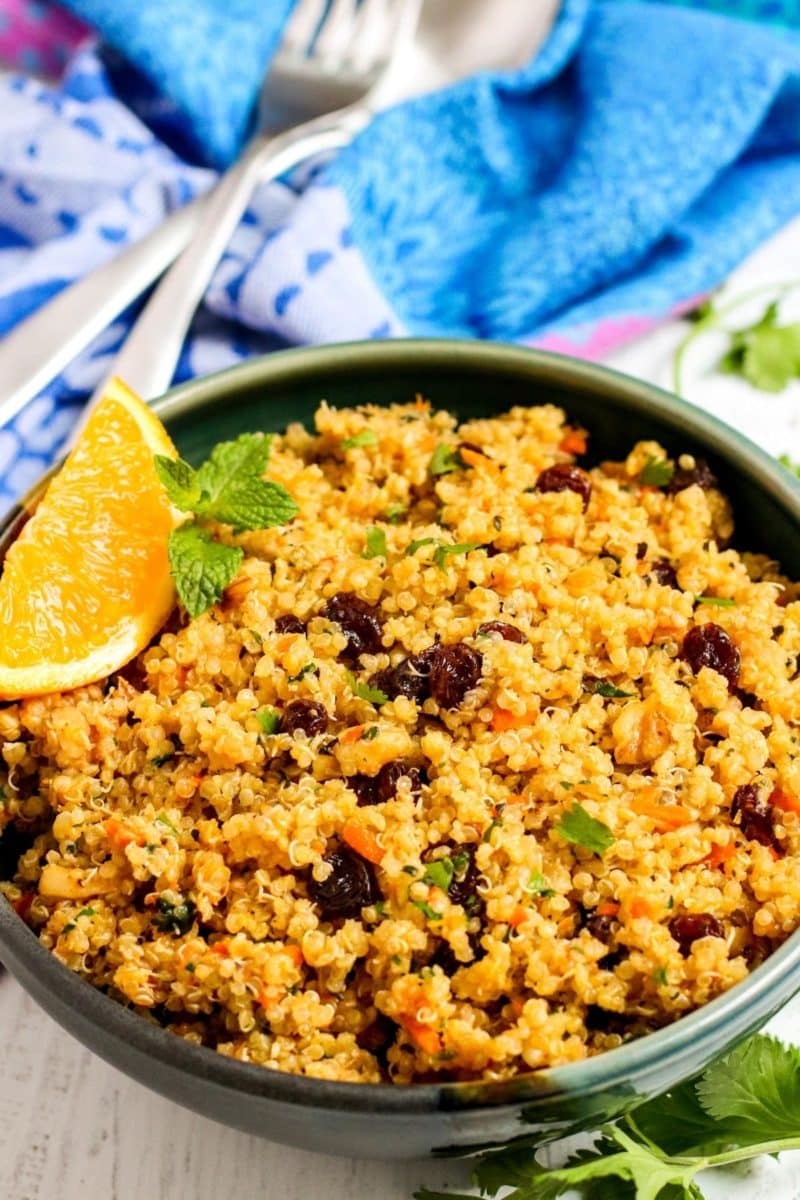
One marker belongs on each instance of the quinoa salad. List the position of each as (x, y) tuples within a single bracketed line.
[(485, 762)]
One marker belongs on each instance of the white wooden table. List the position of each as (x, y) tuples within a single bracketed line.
[(73, 1128)]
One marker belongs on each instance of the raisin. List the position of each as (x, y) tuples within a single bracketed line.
[(364, 788), (710, 646), (377, 1037), (601, 926), (691, 926), (358, 620), (664, 573), (700, 473), (289, 623), (601, 1020), (564, 477), (350, 886), (509, 633), (308, 715), (455, 671), (389, 776), (755, 816), (609, 961), (641, 550), (409, 678), (464, 884)]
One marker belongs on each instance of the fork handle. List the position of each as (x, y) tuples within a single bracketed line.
[(150, 353)]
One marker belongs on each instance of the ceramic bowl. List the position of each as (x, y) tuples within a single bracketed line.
[(379, 1120)]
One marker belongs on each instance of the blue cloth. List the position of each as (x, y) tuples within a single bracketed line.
[(629, 168)]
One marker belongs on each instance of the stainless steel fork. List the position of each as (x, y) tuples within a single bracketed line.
[(332, 58)]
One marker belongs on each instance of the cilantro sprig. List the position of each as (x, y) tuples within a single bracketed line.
[(582, 829), (744, 1105), (228, 489)]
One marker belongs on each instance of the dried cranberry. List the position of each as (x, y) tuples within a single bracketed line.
[(358, 620), (691, 926), (664, 573), (350, 886), (565, 477), (391, 773), (308, 715), (755, 815), (509, 633), (455, 671), (710, 646), (700, 473), (289, 623)]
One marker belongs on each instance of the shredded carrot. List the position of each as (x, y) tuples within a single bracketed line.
[(516, 798), (785, 801), (502, 719), (609, 908), (666, 816), (283, 643), (353, 734), (269, 995), (720, 854), (296, 954), (363, 841), (119, 835), (574, 442), (518, 916), (426, 1037), (481, 462), (639, 907), (221, 948)]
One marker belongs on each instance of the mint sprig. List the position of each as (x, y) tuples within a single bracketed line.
[(744, 1105), (228, 489)]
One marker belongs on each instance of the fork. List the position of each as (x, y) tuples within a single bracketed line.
[(331, 60)]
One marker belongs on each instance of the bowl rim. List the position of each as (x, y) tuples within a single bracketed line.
[(740, 1007)]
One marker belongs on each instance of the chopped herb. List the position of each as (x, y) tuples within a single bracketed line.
[(269, 720), (601, 687), (367, 437), (579, 827), (660, 976), (409, 870), (426, 909), (414, 546), (376, 544), (671, 902), (229, 489), (150, 847), (159, 759), (496, 823), (656, 472), (395, 513), (539, 886), (440, 873), (444, 460), (365, 692), (567, 786), (85, 912), (719, 601), (369, 734), (174, 918), (397, 960), (308, 669), (380, 907), (442, 553), (190, 967), (790, 465), (256, 636), (165, 821)]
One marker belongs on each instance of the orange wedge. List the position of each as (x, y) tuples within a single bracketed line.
[(87, 583)]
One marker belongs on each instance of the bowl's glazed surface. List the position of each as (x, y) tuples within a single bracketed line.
[(383, 1121)]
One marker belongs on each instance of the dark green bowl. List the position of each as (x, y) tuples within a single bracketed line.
[(382, 1121)]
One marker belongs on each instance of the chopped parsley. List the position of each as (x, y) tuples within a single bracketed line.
[(656, 472), (660, 976), (601, 687), (85, 912), (395, 513), (370, 734), (442, 552), (269, 720), (539, 886), (417, 544), (444, 460), (426, 909), (496, 823), (308, 669), (440, 873), (376, 544), (159, 759), (367, 437), (719, 601), (365, 692), (578, 827), (161, 819)]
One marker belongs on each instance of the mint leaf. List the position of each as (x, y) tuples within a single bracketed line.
[(233, 490), (308, 669), (719, 601), (201, 567), (442, 553), (444, 460), (766, 354), (395, 513), (417, 544), (180, 482), (579, 827), (601, 687), (539, 886), (367, 437), (269, 720), (376, 544), (426, 909), (440, 873), (656, 472), (365, 692)]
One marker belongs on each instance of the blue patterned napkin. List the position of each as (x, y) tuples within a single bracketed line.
[(571, 204)]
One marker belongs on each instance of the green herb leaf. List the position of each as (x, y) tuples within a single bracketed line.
[(180, 482), (440, 873), (306, 670), (444, 460), (85, 912), (656, 472), (395, 513), (202, 567), (365, 692), (161, 819), (269, 720), (765, 353), (660, 976), (539, 886), (429, 912), (414, 546), (601, 687), (234, 491), (159, 759), (719, 601), (376, 544), (579, 827), (489, 830), (367, 437), (442, 553), (370, 734)]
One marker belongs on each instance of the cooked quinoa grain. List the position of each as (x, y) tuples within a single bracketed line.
[(487, 762)]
